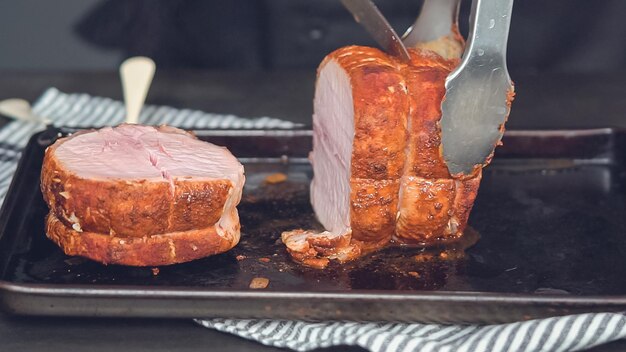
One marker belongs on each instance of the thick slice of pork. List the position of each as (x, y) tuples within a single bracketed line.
[(137, 181), (359, 141)]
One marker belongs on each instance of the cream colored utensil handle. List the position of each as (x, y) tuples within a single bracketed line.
[(136, 73), (19, 109)]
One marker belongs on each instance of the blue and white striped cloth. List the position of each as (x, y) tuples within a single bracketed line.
[(569, 333)]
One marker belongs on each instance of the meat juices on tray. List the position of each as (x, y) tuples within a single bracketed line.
[(140, 195), (379, 174)]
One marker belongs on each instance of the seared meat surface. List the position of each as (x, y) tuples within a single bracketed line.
[(379, 175)]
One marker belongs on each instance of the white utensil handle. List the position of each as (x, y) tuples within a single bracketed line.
[(137, 73), (19, 109)]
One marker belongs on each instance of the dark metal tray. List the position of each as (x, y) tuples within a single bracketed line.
[(550, 214)]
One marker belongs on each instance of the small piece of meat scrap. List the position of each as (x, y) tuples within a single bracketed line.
[(276, 178), (317, 249), (259, 283)]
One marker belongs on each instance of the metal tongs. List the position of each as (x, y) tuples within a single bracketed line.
[(478, 91)]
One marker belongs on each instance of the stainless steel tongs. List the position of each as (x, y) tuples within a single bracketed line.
[(478, 91)]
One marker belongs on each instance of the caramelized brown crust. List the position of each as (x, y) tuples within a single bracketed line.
[(374, 205), (380, 110), (434, 206), (425, 77), (434, 210), (425, 208), (175, 247), (466, 191), (134, 208)]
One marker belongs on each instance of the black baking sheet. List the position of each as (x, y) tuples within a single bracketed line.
[(550, 224)]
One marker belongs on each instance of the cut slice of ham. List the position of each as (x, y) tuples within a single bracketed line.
[(135, 181), (379, 175), (359, 142)]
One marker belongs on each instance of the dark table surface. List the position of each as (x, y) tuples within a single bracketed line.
[(542, 101)]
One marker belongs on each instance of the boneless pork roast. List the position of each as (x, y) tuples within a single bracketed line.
[(140, 195), (379, 174)]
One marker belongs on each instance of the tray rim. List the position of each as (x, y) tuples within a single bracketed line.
[(183, 292), (201, 295), (171, 302)]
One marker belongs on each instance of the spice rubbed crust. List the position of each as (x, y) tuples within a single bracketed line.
[(170, 248), (132, 208)]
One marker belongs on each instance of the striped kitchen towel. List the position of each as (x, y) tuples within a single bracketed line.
[(569, 333)]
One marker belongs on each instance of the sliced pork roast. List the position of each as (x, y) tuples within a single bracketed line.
[(140, 195), (379, 175)]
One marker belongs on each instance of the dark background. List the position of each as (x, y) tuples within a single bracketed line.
[(546, 36)]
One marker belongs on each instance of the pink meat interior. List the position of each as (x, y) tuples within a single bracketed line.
[(145, 152), (333, 127)]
